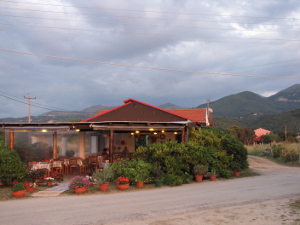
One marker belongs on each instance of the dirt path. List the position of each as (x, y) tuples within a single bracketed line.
[(267, 167)]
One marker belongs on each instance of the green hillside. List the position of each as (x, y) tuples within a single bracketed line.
[(275, 122), (243, 104), (247, 104)]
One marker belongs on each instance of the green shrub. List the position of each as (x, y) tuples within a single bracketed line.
[(289, 155), (173, 180), (124, 168), (18, 187), (103, 176), (224, 173), (11, 166), (276, 150)]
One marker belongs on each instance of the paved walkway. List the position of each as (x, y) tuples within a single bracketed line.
[(53, 191)]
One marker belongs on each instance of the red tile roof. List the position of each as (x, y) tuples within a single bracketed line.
[(134, 110), (260, 132), (197, 115)]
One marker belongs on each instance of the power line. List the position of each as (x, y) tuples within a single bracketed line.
[(146, 67), (152, 18), (152, 11), (158, 34), (37, 105), (152, 25)]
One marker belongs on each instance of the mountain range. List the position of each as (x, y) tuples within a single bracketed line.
[(247, 104), (245, 109)]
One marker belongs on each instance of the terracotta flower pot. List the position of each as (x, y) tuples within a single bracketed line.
[(103, 187), (18, 194), (213, 177), (237, 173), (198, 178), (123, 186), (49, 184), (80, 190), (140, 184), (30, 189)]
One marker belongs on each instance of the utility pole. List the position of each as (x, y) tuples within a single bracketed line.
[(285, 133), (29, 98)]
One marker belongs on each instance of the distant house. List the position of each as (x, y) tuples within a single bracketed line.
[(259, 133)]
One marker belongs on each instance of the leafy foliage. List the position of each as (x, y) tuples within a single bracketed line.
[(245, 135), (103, 176), (18, 187), (11, 166), (268, 138)]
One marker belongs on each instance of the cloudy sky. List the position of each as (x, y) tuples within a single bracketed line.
[(72, 54)]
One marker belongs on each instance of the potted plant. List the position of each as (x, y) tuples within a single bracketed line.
[(142, 171), (30, 186), (199, 171), (79, 184), (18, 190), (157, 175), (102, 177), (58, 176), (123, 183), (213, 174), (37, 175), (49, 181), (235, 166)]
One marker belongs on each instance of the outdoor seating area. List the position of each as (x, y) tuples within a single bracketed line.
[(70, 166)]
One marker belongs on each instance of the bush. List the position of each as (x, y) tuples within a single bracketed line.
[(103, 176), (276, 150), (18, 187), (224, 173), (124, 168), (172, 180), (289, 155), (11, 167)]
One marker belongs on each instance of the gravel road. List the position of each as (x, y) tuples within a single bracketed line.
[(166, 205)]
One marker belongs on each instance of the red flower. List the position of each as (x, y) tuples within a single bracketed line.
[(15, 182), (123, 180)]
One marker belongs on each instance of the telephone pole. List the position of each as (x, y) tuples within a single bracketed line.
[(29, 98)]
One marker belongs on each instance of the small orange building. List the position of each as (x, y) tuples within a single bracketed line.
[(259, 133)]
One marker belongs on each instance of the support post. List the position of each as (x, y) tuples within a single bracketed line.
[(64, 146), (183, 135), (111, 145), (81, 152), (11, 140), (55, 145)]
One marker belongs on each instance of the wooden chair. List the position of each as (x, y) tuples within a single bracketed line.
[(93, 163), (76, 164), (57, 166)]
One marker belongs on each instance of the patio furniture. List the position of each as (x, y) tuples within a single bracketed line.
[(57, 166), (76, 164), (93, 163)]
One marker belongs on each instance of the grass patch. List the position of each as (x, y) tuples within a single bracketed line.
[(5, 193), (295, 204), (256, 150), (249, 173)]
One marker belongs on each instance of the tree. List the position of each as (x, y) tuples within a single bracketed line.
[(268, 138), (11, 166), (245, 135)]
